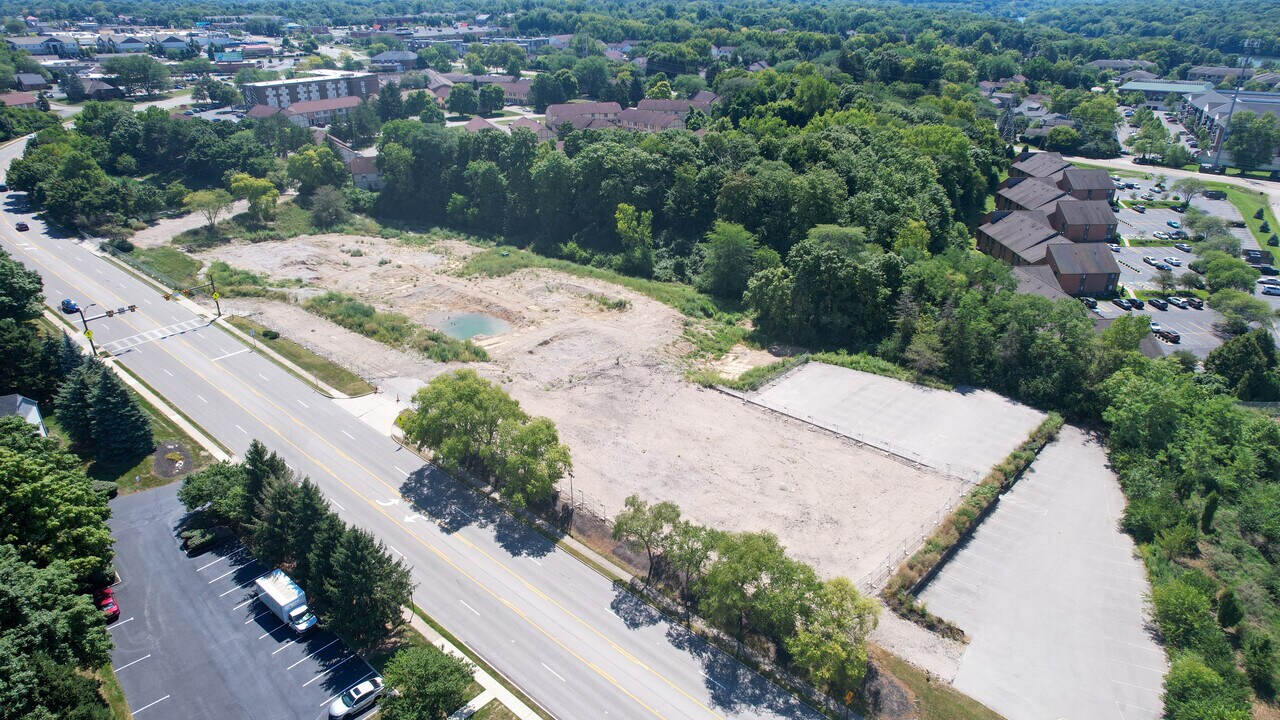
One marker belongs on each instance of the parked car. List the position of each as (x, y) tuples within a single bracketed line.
[(1148, 197), (1173, 224), (356, 699), (1183, 247), (1164, 266), (1155, 326), (1089, 302), (1270, 290), (69, 306), (1173, 261), (1122, 303), (1136, 303), (1178, 235), (1169, 335), (1267, 269), (1114, 247), (1178, 302), (1159, 303), (110, 609), (1196, 303), (4, 187), (22, 227), (1139, 209), (1160, 235), (1149, 259)]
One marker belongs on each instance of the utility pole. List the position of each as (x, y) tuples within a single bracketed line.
[(1245, 62), (213, 289)]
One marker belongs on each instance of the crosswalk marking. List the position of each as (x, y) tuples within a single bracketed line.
[(117, 346)]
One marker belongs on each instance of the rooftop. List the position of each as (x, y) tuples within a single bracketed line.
[(1092, 258), (1165, 86)]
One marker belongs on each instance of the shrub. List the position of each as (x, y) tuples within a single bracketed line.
[(271, 334), (1258, 215), (1273, 241)]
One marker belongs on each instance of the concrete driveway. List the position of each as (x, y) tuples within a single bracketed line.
[(1052, 597), (192, 642)]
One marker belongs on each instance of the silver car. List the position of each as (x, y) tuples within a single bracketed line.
[(355, 699)]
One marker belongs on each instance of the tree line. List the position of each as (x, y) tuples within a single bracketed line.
[(351, 580)]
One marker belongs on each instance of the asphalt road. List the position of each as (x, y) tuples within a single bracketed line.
[(572, 641), (192, 642)]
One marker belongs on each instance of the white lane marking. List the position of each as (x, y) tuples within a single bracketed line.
[(535, 561), (144, 707), (201, 397), (335, 502), (229, 572), (304, 405), (122, 287), (311, 655), (271, 631), (718, 684), (116, 625), (327, 670), (396, 551), (97, 271), (208, 564), (399, 470), (246, 432), (224, 357), (255, 617), (264, 377), (166, 372), (135, 662), (553, 672), (282, 647), (344, 432), (146, 301), (465, 605)]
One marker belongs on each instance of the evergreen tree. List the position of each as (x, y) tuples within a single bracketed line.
[(366, 588), (70, 356), (390, 104), (273, 533), (121, 430), (73, 86), (72, 406), (261, 469)]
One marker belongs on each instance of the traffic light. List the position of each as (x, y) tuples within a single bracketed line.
[(133, 308), (166, 296), (111, 313)]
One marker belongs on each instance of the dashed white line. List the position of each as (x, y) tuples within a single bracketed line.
[(535, 561), (304, 405), (309, 656), (465, 605), (166, 372), (717, 682), (344, 432), (135, 662), (553, 672), (396, 551), (264, 377), (201, 397), (335, 502), (122, 287), (399, 470), (144, 707)]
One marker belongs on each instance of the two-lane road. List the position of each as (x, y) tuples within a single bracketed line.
[(561, 631)]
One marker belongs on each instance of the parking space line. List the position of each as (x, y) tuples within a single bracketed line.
[(312, 654), (1140, 647), (1160, 671), (246, 602), (367, 675), (270, 631), (957, 563), (232, 571), (282, 647), (255, 617), (116, 625), (135, 662), (212, 562), (144, 707), (331, 669)]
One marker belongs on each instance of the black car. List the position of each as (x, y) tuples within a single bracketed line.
[(1089, 302), (22, 226), (1122, 303), (1196, 303), (1267, 269), (1136, 303), (1169, 335), (4, 188), (1159, 303)]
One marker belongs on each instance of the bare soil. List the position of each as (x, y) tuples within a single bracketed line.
[(613, 382)]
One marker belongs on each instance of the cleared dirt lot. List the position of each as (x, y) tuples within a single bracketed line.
[(959, 433), (613, 381)]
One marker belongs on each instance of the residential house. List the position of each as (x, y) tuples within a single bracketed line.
[(18, 100), (1084, 220), (60, 45), (95, 89), (25, 408), (1038, 280), (174, 42), (364, 173), (648, 120), (477, 124), (580, 112), (319, 113), (675, 108), (1217, 74), (1084, 268), (543, 132), (122, 44), (320, 85), (1211, 110), (1038, 165), (30, 81)]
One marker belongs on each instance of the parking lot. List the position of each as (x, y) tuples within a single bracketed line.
[(192, 642), (1145, 224), (1053, 598)]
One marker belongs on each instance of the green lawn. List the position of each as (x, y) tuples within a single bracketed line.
[(494, 710), (291, 220), (113, 693), (1136, 174), (182, 270), (1248, 202), (328, 372)]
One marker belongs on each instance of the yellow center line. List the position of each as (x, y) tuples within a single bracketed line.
[(421, 540)]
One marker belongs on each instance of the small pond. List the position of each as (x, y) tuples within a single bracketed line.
[(464, 326)]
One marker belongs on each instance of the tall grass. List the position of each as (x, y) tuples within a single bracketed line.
[(393, 329)]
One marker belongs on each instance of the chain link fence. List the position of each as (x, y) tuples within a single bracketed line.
[(873, 580)]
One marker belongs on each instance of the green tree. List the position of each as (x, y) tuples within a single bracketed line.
[(754, 587), (463, 100), (316, 167), (72, 86), (489, 99), (261, 194), (636, 232), (366, 589), (546, 90), (529, 461), (1252, 139), (210, 204), (688, 548), (647, 526), (221, 487), (830, 643), (428, 684), (728, 260), (390, 104), (121, 430), (20, 297), (457, 415), (1188, 189), (1193, 691), (49, 511), (137, 73), (1248, 366), (329, 207)]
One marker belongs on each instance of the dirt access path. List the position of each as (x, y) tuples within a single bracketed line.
[(613, 382)]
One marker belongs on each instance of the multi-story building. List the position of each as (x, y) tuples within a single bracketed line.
[(319, 85)]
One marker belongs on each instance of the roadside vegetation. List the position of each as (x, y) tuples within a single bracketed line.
[(322, 369), (393, 328)]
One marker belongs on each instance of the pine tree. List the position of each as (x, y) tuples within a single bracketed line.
[(72, 408), (121, 430), (274, 531), (262, 470), (366, 588), (70, 356)]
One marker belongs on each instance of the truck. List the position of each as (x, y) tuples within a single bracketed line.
[(286, 600)]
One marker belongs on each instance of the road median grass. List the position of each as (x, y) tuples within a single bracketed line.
[(319, 368), (900, 591)]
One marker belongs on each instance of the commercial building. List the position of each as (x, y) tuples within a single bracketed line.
[(1156, 94), (319, 85)]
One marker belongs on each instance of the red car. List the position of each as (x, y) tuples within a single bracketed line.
[(105, 599)]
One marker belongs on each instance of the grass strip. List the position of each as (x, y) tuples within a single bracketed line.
[(112, 692), (327, 371), (392, 328), (936, 699), (899, 591), (177, 410), (479, 662)]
